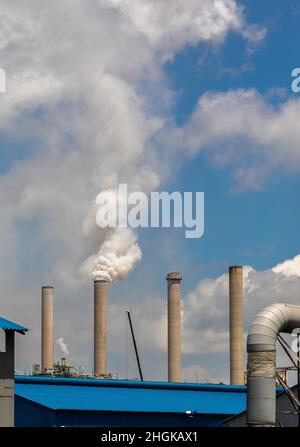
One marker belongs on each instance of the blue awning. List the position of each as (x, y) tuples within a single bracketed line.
[(7, 325)]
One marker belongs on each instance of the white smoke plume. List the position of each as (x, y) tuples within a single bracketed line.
[(63, 346), (117, 256), (119, 251), (81, 114), (89, 98)]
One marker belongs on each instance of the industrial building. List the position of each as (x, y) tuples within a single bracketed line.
[(7, 371), (49, 398), (48, 402), (55, 396), (286, 415)]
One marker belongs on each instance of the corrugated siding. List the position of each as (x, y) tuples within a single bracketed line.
[(123, 419), (56, 402), (31, 414), (10, 325)]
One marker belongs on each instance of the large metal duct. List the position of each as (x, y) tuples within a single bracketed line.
[(47, 360), (261, 348), (236, 323), (100, 312), (174, 327)]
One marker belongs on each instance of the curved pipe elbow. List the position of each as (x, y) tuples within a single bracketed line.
[(261, 347), (269, 323)]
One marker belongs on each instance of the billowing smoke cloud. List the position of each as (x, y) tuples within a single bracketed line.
[(81, 113), (116, 258), (63, 346), (119, 252), (75, 91)]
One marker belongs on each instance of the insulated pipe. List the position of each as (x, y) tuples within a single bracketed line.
[(47, 355), (261, 348), (100, 311), (174, 327), (236, 324)]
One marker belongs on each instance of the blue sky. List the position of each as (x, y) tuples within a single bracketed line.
[(75, 121), (259, 228), (246, 227), (196, 70)]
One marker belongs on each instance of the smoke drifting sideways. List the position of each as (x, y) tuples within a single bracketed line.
[(63, 346), (116, 258)]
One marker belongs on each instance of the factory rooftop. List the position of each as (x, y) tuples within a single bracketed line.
[(117, 395), (7, 325)]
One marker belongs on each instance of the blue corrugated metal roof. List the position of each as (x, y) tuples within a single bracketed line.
[(11, 326), (102, 395)]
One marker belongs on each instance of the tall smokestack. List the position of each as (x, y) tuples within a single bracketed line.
[(47, 328), (236, 323), (174, 327), (100, 312)]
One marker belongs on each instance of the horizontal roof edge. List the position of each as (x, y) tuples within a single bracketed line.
[(8, 325), (127, 384)]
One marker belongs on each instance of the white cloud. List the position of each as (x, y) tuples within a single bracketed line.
[(289, 268), (169, 26), (205, 323), (206, 308), (242, 129), (84, 83), (74, 94), (205, 316)]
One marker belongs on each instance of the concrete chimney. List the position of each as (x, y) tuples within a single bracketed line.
[(47, 328), (174, 327), (100, 312), (236, 324)]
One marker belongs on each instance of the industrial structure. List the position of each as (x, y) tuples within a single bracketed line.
[(174, 327), (135, 346), (261, 348), (236, 325), (46, 402), (100, 318), (7, 371), (54, 395), (286, 416), (47, 356)]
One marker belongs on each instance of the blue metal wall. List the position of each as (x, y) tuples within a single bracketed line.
[(131, 419), (30, 414)]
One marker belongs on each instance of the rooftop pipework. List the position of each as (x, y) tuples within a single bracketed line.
[(261, 348)]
